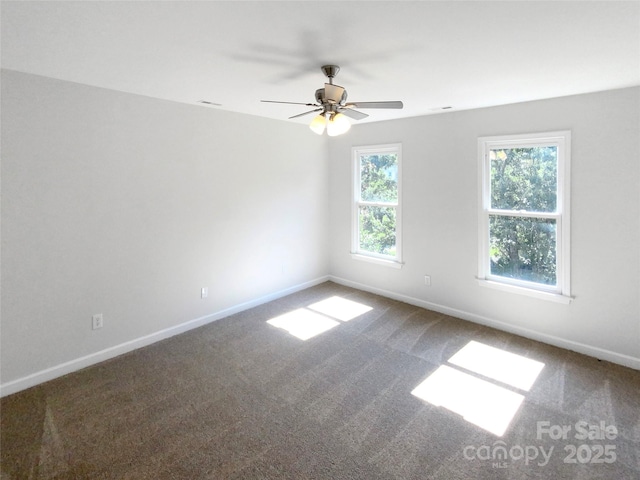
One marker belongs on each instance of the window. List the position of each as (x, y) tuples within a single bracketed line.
[(524, 214), (376, 206)]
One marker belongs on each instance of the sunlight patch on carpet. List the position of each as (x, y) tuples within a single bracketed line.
[(319, 317), (506, 367), (340, 308), (482, 403), (303, 324)]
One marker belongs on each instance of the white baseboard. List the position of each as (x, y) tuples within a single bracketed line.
[(592, 351), (111, 352), (106, 354)]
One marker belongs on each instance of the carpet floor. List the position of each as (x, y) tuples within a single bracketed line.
[(331, 383)]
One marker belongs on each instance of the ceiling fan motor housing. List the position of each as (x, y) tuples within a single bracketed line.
[(321, 98)]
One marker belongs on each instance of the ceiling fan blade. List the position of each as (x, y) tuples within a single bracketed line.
[(292, 103), (356, 115), (333, 93), (396, 104), (306, 113)]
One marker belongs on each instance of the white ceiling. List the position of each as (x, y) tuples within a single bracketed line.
[(428, 54)]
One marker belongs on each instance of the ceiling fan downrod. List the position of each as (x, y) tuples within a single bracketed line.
[(330, 71)]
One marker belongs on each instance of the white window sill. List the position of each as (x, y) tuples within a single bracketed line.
[(376, 260), (550, 296)]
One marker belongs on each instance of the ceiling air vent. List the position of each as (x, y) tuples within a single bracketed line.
[(207, 102)]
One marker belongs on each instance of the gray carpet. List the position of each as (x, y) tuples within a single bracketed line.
[(244, 399)]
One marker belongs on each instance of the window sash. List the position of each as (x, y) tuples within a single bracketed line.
[(524, 163), (523, 213), (376, 204), (561, 140), (357, 203), (522, 279), (363, 251)]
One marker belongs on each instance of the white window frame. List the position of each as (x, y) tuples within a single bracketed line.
[(356, 252), (560, 292)]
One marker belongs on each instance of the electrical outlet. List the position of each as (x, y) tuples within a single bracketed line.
[(204, 292), (97, 321), (427, 280)]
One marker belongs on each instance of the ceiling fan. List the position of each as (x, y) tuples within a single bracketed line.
[(333, 107)]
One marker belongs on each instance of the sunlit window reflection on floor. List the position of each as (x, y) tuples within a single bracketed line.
[(317, 318), (303, 324), (340, 308), (482, 403), (506, 367)]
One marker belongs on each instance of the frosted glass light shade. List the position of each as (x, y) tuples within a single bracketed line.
[(317, 125), (338, 125)]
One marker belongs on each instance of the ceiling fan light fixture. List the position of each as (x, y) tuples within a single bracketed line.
[(338, 125), (331, 100), (318, 124)]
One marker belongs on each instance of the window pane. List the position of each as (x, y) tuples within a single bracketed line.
[(524, 178), (377, 229), (379, 178), (523, 248)]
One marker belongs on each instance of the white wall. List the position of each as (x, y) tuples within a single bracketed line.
[(440, 219), (125, 205)]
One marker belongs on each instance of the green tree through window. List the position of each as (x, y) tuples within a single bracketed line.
[(524, 215), (523, 180), (378, 183), (377, 201)]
